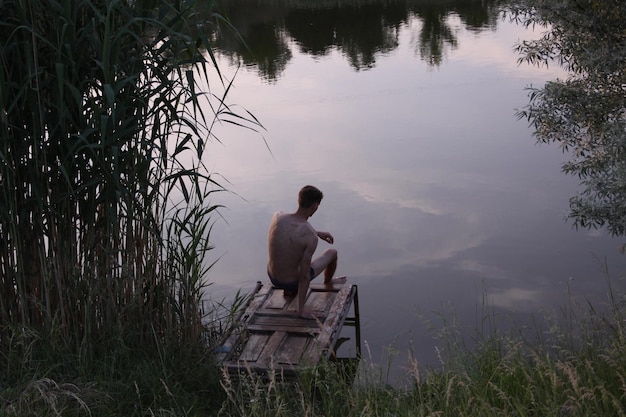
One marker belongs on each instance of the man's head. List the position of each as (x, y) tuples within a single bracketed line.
[(309, 196)]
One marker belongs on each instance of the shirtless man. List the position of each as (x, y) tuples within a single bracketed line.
[(292, 242)]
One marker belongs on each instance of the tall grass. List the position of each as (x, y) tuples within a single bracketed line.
[(505, 374), (105, 204), (575, 366)]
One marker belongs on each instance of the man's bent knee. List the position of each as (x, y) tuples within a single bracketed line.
[(328, 257)]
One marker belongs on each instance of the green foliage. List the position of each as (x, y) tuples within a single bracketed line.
[(105, 207), (584, 113)]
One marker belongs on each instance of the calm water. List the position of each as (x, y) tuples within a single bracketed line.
[(404, 115)]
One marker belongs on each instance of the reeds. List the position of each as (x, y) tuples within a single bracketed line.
[(105, 204)]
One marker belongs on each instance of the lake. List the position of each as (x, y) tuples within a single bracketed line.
[(442, 205)]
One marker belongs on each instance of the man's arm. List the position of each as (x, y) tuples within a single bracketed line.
[(310, 242), (326, 236)]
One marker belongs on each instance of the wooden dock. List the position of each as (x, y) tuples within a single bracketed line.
[(270, 335)]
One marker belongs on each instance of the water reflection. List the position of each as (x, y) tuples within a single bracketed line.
[(436, 194), (361, 30)]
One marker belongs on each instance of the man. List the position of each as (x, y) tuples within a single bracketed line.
[(292, 242)]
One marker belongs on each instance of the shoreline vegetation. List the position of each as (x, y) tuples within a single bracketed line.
[(105, 218), (575, 368)]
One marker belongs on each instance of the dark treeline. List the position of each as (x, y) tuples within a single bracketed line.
[(361, 30)]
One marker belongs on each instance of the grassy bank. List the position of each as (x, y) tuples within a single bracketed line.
[(575, 368), (578, 368), (130, 381)]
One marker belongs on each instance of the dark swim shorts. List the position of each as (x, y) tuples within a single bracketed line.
[(291, 287)]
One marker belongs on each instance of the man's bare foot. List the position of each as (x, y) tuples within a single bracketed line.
[(337, 280)]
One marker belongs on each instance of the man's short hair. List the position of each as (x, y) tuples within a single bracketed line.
[(308, 196)]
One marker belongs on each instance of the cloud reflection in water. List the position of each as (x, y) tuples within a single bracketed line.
[(436, 195)]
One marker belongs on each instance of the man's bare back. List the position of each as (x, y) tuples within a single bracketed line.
[(292, 241)]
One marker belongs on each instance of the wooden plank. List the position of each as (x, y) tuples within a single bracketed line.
[(271, 320), (232, 339), (281, 347), (321, 344), (283, 320), (277, 313), (292, 350), (277, 300), (319, 301), (273, 323), (343, 313), (253, 347), (326, 288), (271, 347), (258, 299), (312, 331)]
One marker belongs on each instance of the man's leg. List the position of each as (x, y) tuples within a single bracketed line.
[(327, 262)]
